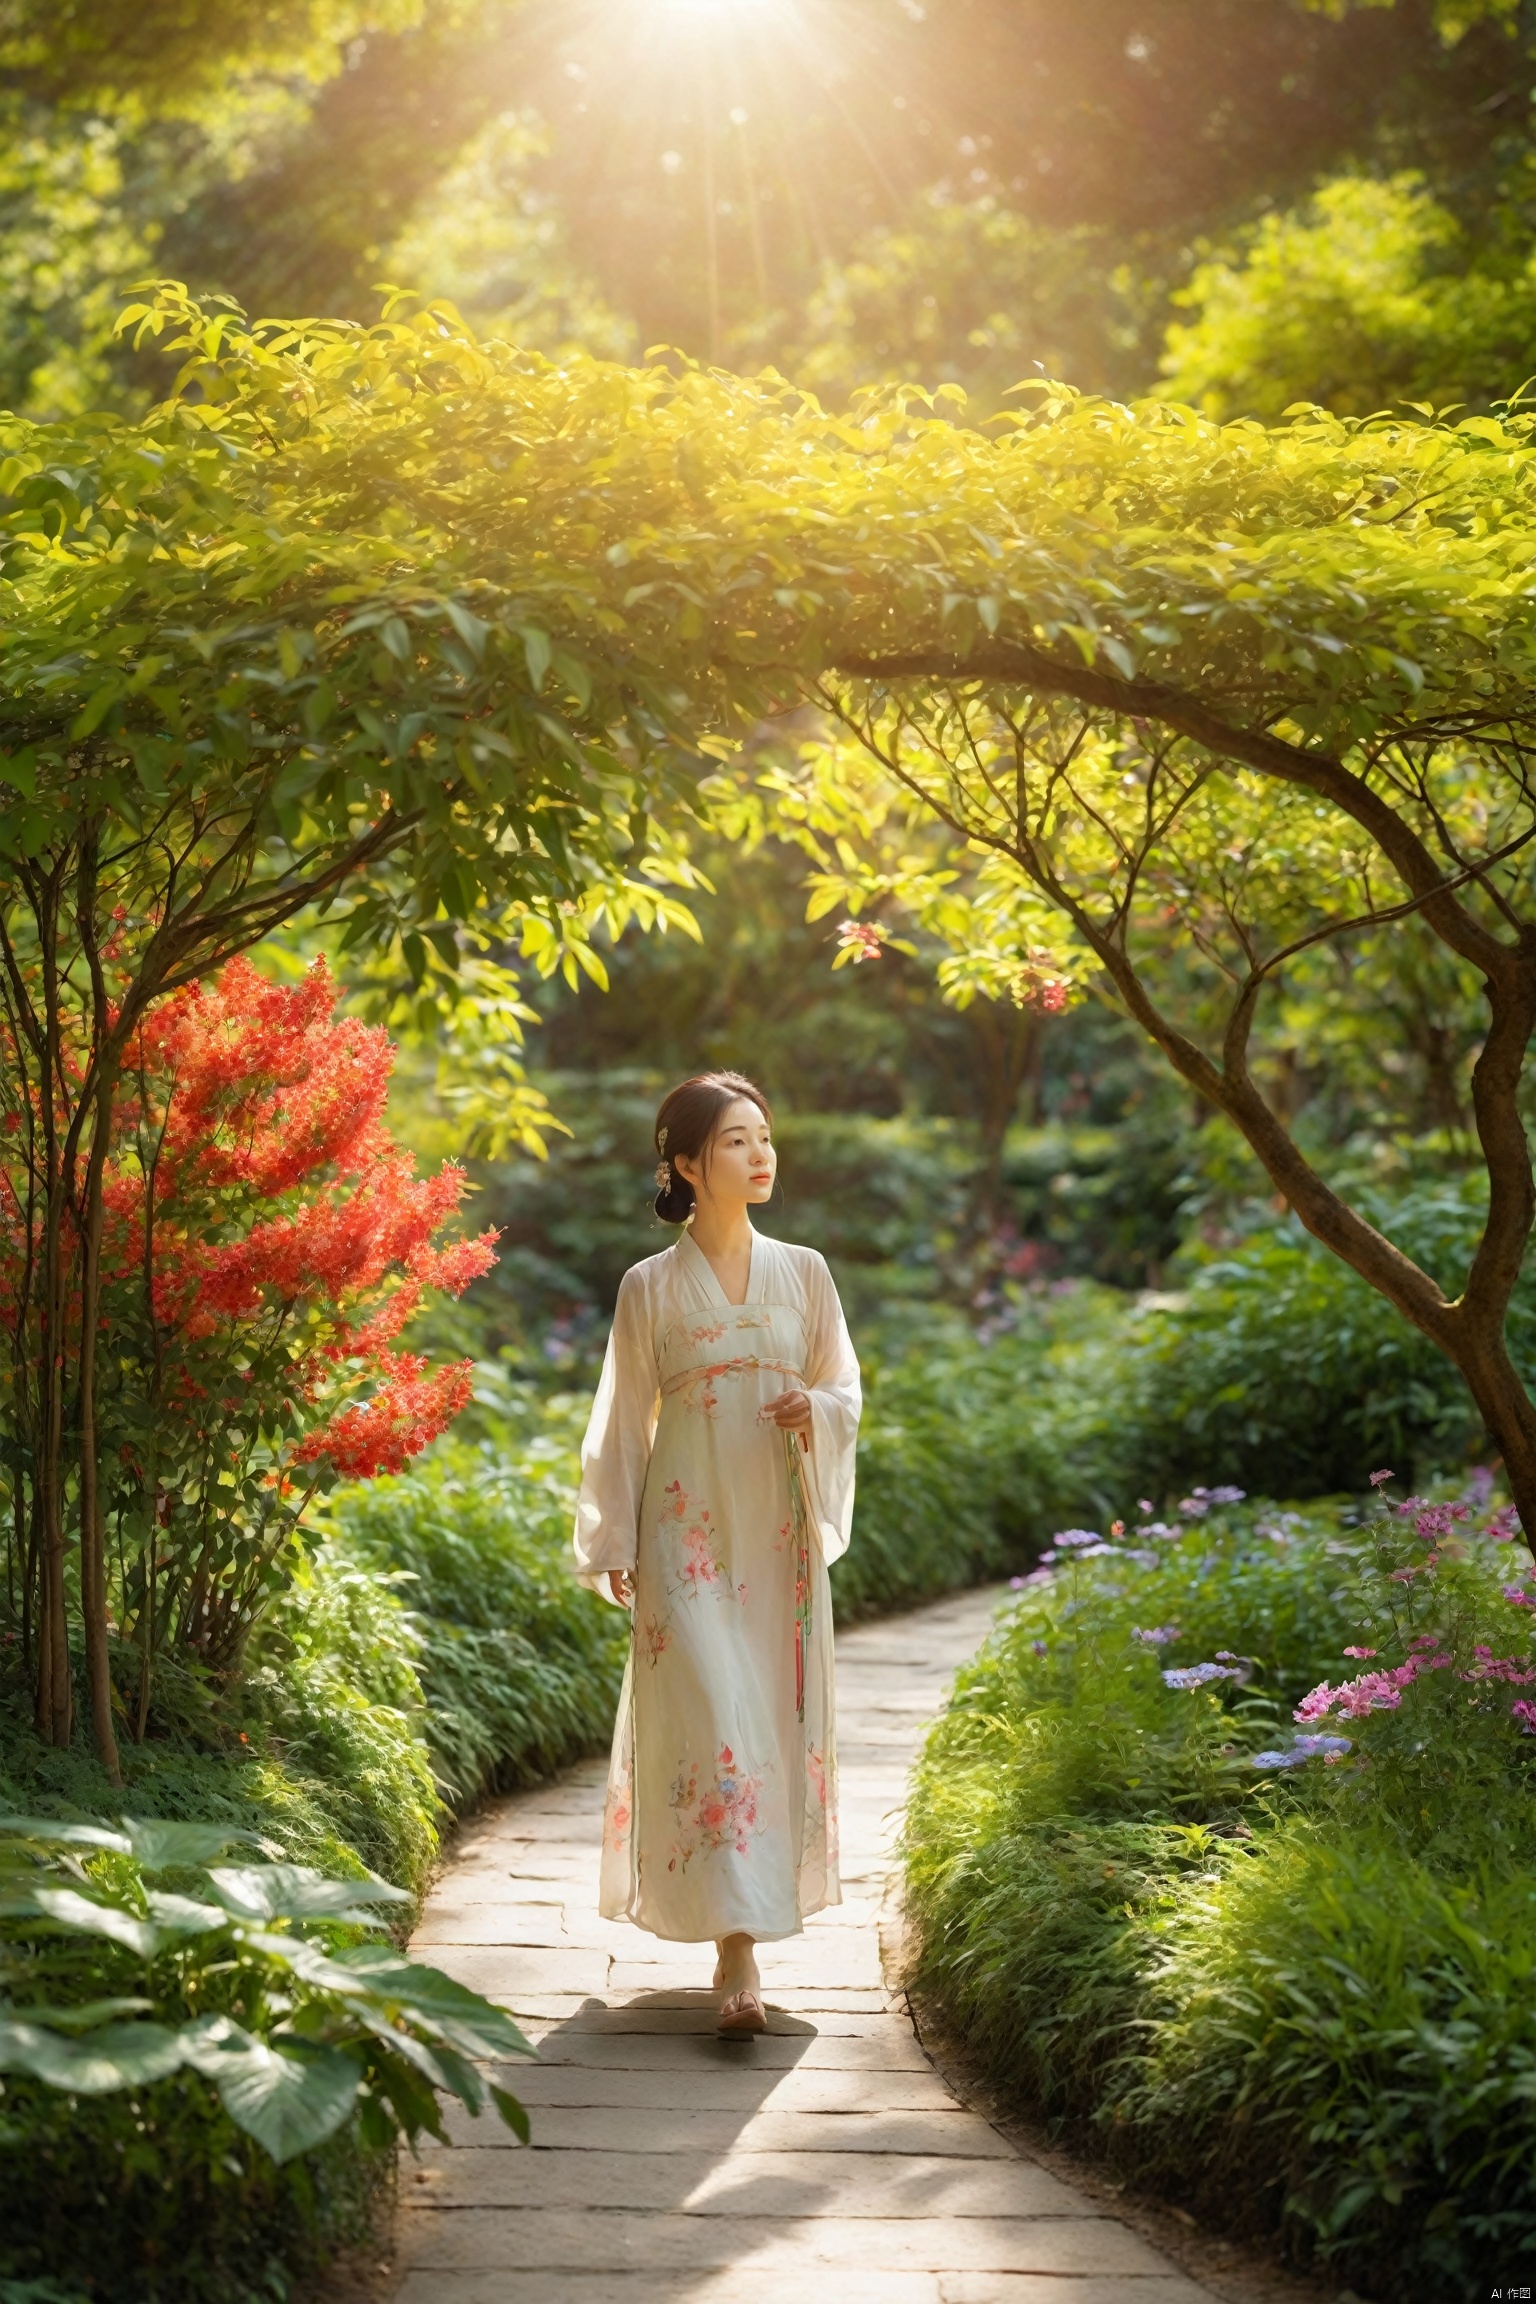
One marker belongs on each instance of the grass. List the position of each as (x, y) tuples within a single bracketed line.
[(1298, 2002)]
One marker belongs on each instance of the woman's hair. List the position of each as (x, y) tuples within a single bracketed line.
[(686, 1124)]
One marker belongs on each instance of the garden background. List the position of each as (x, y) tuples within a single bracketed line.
[(1080, 1301)]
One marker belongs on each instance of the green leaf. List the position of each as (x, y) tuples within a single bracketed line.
[(436, 2001), (294, 1892), (513, 2113), (116, 2056), (45, 1829), (87, 2015), (538, 650), (183, 1915), (83, 1916), (161, 1846), (469, 628), (289, 2098)]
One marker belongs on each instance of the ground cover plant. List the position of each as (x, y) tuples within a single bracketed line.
[(1221, 1858), (207, 2057)]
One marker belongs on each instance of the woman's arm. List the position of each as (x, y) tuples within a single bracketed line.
[(826, 1413), (616, 1452)]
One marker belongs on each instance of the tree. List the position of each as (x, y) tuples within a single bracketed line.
[(1208, 697), (263, 1245), (324, 620), (1369, 297)]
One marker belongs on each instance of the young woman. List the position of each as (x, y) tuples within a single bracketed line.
[(717, 1484)]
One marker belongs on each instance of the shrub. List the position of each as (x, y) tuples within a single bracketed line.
[(1286, 1980), (519, 1665), (956, 1480), (1280, 1370), (263, 1243), (206, 2067)]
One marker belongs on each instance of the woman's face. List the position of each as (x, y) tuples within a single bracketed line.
[(739, 1162)]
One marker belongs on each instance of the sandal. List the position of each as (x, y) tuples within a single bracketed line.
[(740, 2015)]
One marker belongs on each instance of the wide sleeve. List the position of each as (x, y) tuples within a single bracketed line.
[(832, 1381), (617, 1449)]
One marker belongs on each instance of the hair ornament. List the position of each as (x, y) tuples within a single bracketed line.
[(663, 1165)]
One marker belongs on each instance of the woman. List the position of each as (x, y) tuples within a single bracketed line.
[(717, 1484)]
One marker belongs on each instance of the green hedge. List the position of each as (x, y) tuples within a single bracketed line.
[(519, 1666), (1296, 2000)]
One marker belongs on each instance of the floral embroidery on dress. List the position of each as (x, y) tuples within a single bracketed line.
[(655, 1638), (721, 1816), (702, 1567), (710, 1333), (619, 1811), (816, 1774)]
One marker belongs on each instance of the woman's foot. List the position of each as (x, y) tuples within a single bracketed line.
[(740, 1987), (740, 2013)]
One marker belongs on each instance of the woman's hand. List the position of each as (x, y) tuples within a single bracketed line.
[(622, 1585), (791, 1412)]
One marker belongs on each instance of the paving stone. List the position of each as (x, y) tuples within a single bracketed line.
[(501, 1971), (693, 2014), (596, 2238), (742, 2086), (753, 2183), (1045, 2288), (613, 2128), (888, 2049), (729, 2284)]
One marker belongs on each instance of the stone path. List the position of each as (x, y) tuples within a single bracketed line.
[(671, 2168)]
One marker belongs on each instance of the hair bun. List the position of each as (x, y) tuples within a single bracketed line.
[(676, 1201)]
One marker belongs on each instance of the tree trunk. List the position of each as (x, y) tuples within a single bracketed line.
[(93, 1535), (93, 1547)]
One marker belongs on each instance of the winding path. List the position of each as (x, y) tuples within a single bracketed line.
[(670, 2168)]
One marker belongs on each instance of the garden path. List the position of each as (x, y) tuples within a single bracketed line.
[(670, 2168)]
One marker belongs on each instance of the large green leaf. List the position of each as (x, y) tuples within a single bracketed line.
[(294, 1892), (86, 2016), (442, 2065), (162, 1845), (289, 2098), (81, 1915), (184, 1915), (440, 2005), (45, 1829), (116, 2056)]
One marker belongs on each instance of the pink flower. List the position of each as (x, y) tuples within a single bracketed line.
[(1524, 1712), (1378, 1477), (861, 939), (1361, 1652)]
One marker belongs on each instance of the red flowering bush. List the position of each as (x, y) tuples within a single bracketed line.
[(264, 1244)]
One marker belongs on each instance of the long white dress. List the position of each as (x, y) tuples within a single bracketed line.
[(722, 1792)]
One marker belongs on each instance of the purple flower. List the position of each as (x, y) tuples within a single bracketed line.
[(1200, 1500), (1378, 1477), (1199, 1675), (1524, 1711), (1073, 1538), (1504, 1526), (1039, 1647), (1156, 1635), (1304, 1748)]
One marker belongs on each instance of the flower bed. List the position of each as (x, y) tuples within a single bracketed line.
[(1222, 1856)]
